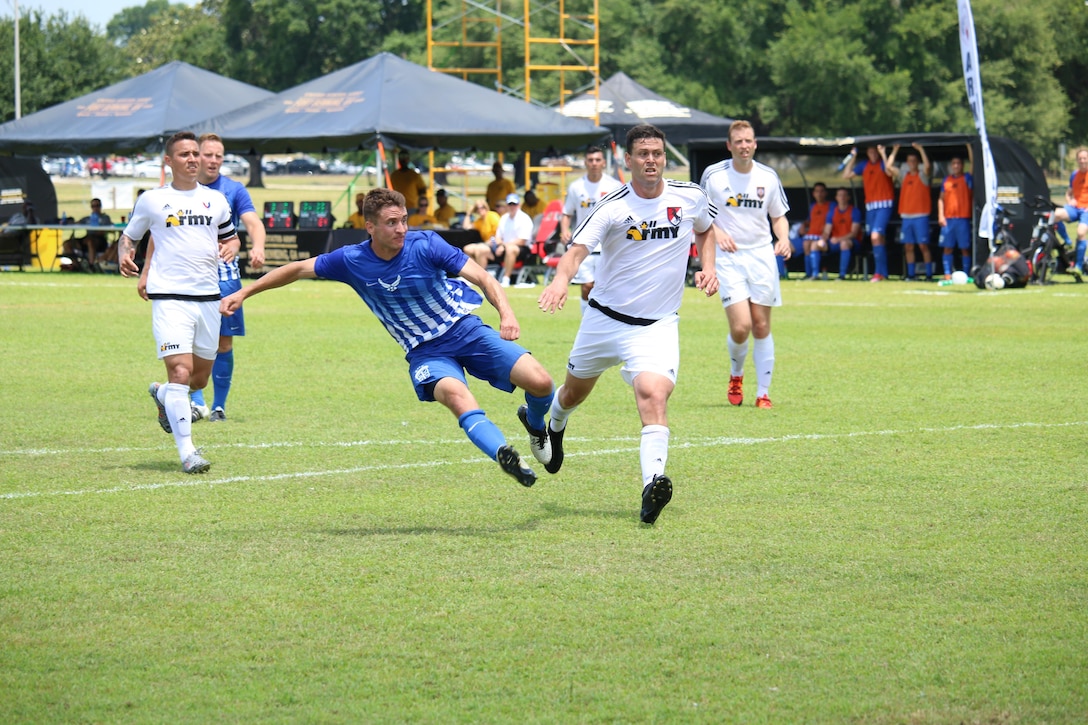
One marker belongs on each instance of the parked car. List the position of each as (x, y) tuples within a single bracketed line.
[(302, 165), (148, 169), (234, 166)]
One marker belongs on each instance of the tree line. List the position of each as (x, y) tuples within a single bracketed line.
[(792, 67)]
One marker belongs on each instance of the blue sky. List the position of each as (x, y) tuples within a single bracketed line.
[(98, 12)]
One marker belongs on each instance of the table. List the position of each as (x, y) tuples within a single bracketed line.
[(44, 240)]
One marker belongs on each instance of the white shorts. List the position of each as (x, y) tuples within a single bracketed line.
[(603, 343), (748, 274), (186, 326), (587, 270)]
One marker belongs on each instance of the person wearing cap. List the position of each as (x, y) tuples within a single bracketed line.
[(514, 236), (443, 213), (408, 182), (498, 189)]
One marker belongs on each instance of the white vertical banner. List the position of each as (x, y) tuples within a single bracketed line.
[(969, 51)]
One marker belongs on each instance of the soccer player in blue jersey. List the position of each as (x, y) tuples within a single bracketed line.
[(230, 279), (405, 278)]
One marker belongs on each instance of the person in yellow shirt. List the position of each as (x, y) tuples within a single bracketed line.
[(486, 222), (422, 217), (407, 181), (499, 189), (532, 204), (356, 220), (443, 212)]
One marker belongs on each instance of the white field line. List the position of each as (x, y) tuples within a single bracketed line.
[(201, 481)]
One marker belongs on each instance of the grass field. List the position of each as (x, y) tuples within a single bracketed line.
[(902, 539)]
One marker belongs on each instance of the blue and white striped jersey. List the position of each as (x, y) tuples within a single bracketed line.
[(240, 203), (410, 294)]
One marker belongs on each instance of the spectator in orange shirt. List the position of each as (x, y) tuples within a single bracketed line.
[(813, 240), (915, 206), (876, 174), (954, 211), (1076, 204)]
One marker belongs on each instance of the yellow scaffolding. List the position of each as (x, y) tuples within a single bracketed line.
[(560, 50)]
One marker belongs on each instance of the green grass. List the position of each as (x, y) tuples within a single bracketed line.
[(902, 539)]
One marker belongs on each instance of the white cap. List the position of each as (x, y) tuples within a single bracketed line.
[(513, 199)]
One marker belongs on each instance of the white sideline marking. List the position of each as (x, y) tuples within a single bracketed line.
[(698, 443)]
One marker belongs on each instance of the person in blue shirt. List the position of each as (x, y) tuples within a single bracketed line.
[(230, 278), (415, 284)]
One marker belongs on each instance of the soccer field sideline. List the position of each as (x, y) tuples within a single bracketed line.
[(677, 444)]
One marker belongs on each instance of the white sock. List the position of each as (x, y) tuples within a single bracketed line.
[(175, 398), (585, 305), (763, 358), (737, 352), (558, 414), (653, 451)]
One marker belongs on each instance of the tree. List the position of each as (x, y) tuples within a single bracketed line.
[(61, 58), (277, 44), (178, 32), (132, 20)]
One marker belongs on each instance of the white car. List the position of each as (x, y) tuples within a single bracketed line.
[(149, 169)]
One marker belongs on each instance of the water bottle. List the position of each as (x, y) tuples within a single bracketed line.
[(64, 218), (845, 161)]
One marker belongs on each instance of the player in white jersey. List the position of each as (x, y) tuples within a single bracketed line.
[(746, 193), (645, 231), (581, 196), (192, 228)]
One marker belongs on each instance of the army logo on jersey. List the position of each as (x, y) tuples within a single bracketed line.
[(187, 218), (760, 191), (649, 230), (674, 214)]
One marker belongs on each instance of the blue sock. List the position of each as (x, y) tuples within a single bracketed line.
[(947, 261), (808, 264), (222, 372), (1062, 232), (880, 260), (782, 272), (484, 434), (910, 269), (197, 397), (538, 408), (844, 262), (815, 262), (929, 270), (1081, 244)]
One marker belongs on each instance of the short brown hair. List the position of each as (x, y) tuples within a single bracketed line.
[(641, 131), (378, 199), (209, 137)]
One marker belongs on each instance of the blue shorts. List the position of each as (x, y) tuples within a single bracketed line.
[(915, 230), (235, 325), (876, 220), (956, 233), (469, 346), (1076, 214)]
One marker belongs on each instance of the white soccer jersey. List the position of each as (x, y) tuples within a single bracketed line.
[(745, 201), (583, 194), (645, 245), (187, 227)]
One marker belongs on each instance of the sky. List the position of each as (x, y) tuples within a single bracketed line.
[(98, 12)]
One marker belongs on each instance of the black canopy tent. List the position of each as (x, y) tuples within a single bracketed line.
[(399, 103), (623, 103), (1020, 178), (133, 115)]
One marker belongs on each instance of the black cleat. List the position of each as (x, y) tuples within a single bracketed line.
[(556, 440), (655, 496), (538, 437), (512, 463)]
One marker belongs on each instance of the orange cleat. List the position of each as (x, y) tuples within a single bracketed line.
[(736, 389), (763, 402)]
